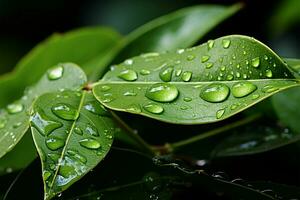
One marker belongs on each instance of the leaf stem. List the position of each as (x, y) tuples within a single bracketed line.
[(134, 135), (170, 147)]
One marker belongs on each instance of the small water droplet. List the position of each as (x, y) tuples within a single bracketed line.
[(190, 57), (223, 68), (220, 113), (233, 106), (242, 89), (3, 122), (104, 88), (91, 130), (128, 62), (154, 108), (77, 156), (266, 57), (144, 72), (226, 43), (180, 51), (215, 92), (133, 108), (255, 62), (254, 96), (55, 73), (162, 92), (54, 143), (108, 97), (269, 88), (46, 175), (210, 44), (15, 108), (209, 65), (130, 93), (229, 77), (166, 74), (178, 72), (90, 143), (269, 73), (95, 108), (186, 76), (238, 75), (205, 58), (245, 76), (65, 111), (187, 99), (78, 130), (128, 75)]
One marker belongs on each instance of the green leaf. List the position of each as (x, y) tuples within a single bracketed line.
[(180, 29), (88, 47), (207, 83), (255, 138), (72, 133), (294, 66), (14, 119)]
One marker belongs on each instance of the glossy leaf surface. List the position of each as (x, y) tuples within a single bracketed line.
[(202, 84), (72, 133)]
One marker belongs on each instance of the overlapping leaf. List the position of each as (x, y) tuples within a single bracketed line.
[(72, 133), (202, 84), (14, 119)]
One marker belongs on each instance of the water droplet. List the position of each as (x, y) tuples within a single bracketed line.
[(65, 111), (242, 89), (46, 175), (128, 62), (78, 130), (180, 51), (233, 106), (95, 108), (223, 68), (166, 74), (67, 170), (269, 88), (55, 73), (14, 108), (108, 97), (144, 72), (209, 65), (149, 55), (152, 181), (91, 130), (205, 58), (254, 96), (129, 93), (186, 76), (226, 43), (215, 92), (245, 76), (3, 122), (90, 143), (187, 99), (133, 108), (178, 72), (128, 75), (104, 88), (43, 124), (154, 108), (266, 57), (190, 57), (210, 44), (54, 143), (238, 75), (229, 77), (162, 92), (220, 113), (269, 73), (77, 156), (255, 62)]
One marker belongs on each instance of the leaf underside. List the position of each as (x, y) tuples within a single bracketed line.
[(14, 119), (202, 84), (72, 133)]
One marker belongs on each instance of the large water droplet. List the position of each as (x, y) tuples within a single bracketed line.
[(95, 108), (43, 124), (255, 62), (162, 92), (205, 58), (77, 156), (154, 108), (54, 143), (90, 143), (128, 75), (186, 76), (14, 108), (269, 73), (220, 113), (166, 74), (215, 92), (243, 89), (55, 73), (65, 111), (226, 43)]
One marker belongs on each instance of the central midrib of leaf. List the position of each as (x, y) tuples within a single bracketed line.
[(67, 140)]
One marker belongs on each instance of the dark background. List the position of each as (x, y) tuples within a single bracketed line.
[(25, 23)]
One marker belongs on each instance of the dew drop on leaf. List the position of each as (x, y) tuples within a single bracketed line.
[(78, 130), (91, 130), (104, 88), (55, 73), (54, 143), (255, 62), (190, 57), (46, 175), (134, 108), (242, 89), (166, 74), (269, 89), (229, 77), (220, 113), (162, 92), (14, 108), (269, 73), (254, 96), (43, 124), (187, 99), (77, 156), (95, 108), (154, 108), (3, 122), (178, 72), (210, 44), (128, 75), (215, 92), (205, 58), (108, 97), (89, 143), (144, 72), (209, 65), (186, 76), (65, 111), (226, 43)]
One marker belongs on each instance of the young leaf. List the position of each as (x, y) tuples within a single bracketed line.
[(88, 47), (180, 29), (255, 138), (202, 84), (14, 119), (72, 133)]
